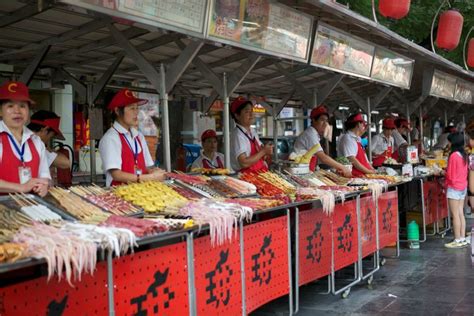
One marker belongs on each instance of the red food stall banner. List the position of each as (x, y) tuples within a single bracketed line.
[(266, 261), (218, 277), (388, 219), (152, 282), (314, 245), (368, 227), (344, 234), (430, 196), (442, 202), (40, 297)]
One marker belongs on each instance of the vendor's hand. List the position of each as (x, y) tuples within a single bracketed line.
[(372, 171), (32, 183), (157, 170), (158, 175), (345, 172), (41, 189), (268, 149)]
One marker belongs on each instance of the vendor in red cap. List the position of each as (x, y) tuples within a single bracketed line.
[(23, 163), (123, 149), (403, 128), (383, 143), (209, 158), (311, 137), (350, 145), (45, 124), (246, 150)]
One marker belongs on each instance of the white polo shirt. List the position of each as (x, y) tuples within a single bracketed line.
[(212, 162), (50, 156), (415, 134), (306, 140), (380, 144), (398, 139), (240, 144), (43, 171), (110, 148), (347, 146)]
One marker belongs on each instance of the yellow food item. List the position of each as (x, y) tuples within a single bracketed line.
[(306, 158), (152, 196)]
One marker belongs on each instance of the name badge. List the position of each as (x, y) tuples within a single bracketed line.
[(138, 171), (24, 174)]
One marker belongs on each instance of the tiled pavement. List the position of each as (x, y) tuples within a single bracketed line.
[(430, 281)]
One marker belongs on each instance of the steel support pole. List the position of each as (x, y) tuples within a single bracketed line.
[(92, 154), (110, 284), (165, 119), (421, 130), (242, 267), (369, 133), (408, 118), (275, 134), (191, 275), (225, 98), (445, 118)]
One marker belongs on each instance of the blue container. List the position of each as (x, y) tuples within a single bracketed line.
[(192, 152)]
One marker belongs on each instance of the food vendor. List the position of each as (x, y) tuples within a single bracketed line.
[(311, 137), (383, 143), (209, 158), (403, 126), (23, 162), (246, 149), (45, 124), (350, 145), (443, 142), (123, 149)]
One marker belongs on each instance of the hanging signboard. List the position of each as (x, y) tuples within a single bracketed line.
[(181, 16), (339, 51), (261, 25), (443, 85), (392, 68), (463, 92)]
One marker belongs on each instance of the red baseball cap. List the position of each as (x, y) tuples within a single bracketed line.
[(52, 123), (320, 110), (237, 103), (125, 98), (208, 134), (356, 118), (15, 91), (389, 123)]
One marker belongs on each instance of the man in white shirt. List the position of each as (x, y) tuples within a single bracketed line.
[(45, 124), (311, 137), (403, 127)]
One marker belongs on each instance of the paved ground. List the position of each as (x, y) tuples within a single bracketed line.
[(430, 281)]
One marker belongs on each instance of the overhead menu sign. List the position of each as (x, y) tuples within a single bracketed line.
[(443, 85), (446, 86), (464, 92), (338, 51), (261, 25), (392, 68), (182, 16)]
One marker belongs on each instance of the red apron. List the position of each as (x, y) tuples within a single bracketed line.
[(129, 163), (313, 163), (10, 164), (362, 158), (378, 161), (207, 164), (260, 166)]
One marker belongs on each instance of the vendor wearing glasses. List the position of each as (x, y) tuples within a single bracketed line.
[(23, 163), (350, 145)]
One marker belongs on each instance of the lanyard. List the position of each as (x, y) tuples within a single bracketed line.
[(20, 152), (211, 164), (134, 152), (246, 135)]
